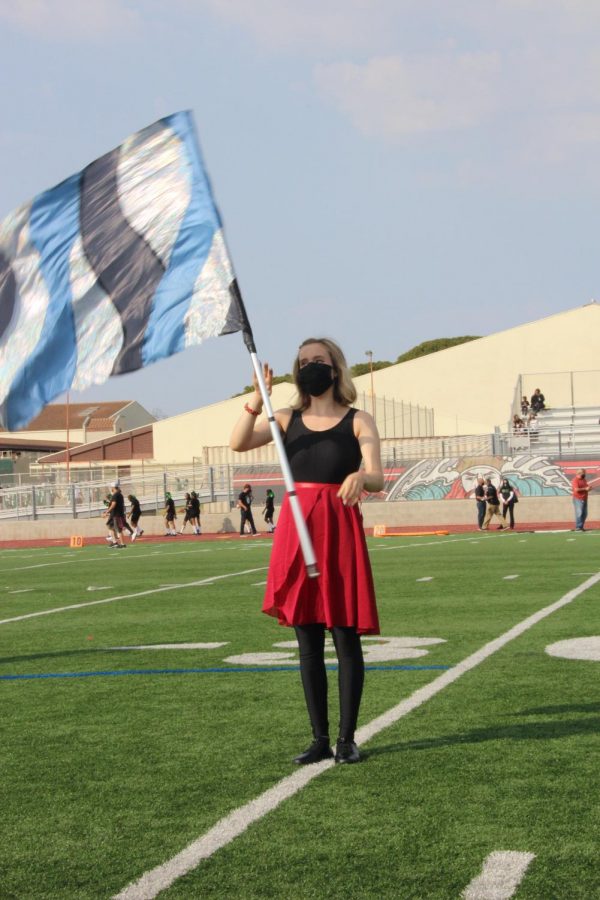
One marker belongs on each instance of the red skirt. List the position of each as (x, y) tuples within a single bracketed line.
[(343, 595)]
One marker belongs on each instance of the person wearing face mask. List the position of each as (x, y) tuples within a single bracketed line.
[(334, 455)]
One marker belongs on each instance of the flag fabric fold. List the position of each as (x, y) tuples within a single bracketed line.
[(118, 266)]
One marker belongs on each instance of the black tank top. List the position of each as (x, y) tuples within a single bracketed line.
[(325, 457)]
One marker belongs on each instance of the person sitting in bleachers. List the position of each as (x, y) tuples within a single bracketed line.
[(518, 425), (538, 401), (524, 406)]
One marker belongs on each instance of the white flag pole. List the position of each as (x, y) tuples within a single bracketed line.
[(305, 541), (310, 560)]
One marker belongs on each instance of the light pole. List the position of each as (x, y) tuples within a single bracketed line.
[(369, 353)]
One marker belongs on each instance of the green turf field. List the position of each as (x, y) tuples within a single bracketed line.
[(128, 756)]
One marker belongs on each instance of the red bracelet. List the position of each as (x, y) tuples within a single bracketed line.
[(253, 412)]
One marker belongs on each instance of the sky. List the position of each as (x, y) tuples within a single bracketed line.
[(388, 171)]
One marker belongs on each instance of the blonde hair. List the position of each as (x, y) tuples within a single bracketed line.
[(344, 391)]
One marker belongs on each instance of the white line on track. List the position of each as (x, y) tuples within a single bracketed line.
[(160, 590), (231, 826), (500, 876)]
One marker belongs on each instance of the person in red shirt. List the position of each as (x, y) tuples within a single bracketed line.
[(580, 499)]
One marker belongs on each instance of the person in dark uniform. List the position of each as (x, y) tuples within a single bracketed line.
[(480, 501), (334, 454), (245, 506), (135, 512), (170, 516), (508, 498), (493, 505), (196, 513), (269, 510), (188, 515), (116, 516)]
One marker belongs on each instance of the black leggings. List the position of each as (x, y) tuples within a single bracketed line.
[(509, 507), (351, 676)]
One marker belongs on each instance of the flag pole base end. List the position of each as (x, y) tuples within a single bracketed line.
[(312, 571)]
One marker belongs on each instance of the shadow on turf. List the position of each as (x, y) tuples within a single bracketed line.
[(527, 732), (559, 710), (59, 654)]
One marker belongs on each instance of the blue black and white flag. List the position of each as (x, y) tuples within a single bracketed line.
[(120, 265)]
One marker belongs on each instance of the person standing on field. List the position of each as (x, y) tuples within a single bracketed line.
[(170, 516), (245, 506), (269, 510), (581, 490), (508, 498), (480, 501), (334, 455), (135, 512), (493, 506), (116, 517)]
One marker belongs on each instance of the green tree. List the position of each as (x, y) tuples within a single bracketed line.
[(365, 368), (433, 346)]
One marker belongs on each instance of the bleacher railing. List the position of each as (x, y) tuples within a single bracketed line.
[(573, 389)]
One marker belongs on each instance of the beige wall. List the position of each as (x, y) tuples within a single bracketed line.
[(184, 436), (471, 387), (76, 435)]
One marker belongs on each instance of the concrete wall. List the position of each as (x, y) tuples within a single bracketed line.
[(471, 387), (185, 436), (76, 435), (432, 513)]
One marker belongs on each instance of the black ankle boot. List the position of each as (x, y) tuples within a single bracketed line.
[(346, 752), (318, 750)]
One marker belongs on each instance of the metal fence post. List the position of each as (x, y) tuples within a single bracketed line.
[(71, 488), (572, 391), (33, 506)]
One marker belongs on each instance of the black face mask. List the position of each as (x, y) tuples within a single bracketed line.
[(314, 378)]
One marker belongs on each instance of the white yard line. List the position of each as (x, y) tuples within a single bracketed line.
[(461, 540), (160, 590), (234, 824), (103, 558), (501, 875)]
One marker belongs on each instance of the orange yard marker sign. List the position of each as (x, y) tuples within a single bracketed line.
[(385, 531), (76, 542)]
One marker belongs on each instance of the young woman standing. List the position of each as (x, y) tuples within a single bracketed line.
[(334, 455)]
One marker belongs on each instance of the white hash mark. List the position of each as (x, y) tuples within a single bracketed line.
[(500, 876)]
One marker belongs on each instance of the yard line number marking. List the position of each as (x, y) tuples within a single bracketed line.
[(231, 826), (501, 875)]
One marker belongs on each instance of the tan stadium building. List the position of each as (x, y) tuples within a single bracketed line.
[(471, 388)]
